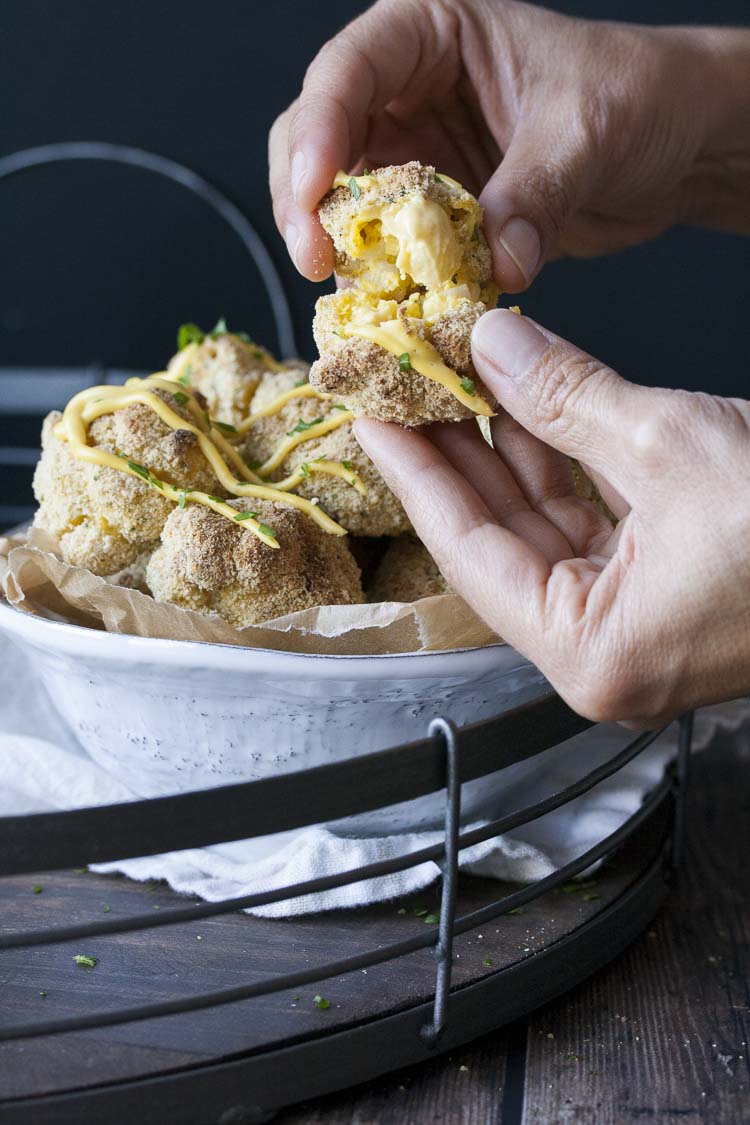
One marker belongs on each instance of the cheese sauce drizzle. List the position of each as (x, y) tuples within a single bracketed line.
[(94, 402)]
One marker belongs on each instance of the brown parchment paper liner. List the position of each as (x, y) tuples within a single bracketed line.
[(35, 579)]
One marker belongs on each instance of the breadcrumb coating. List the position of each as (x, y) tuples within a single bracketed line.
[(370, 380), (411, 241), (377, 513), (407, 572), (105, 520), (208, 564), (227, 370)]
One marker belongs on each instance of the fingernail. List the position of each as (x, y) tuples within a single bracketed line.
[(299, 174), (519, 239), (292, 237), (507, 342)]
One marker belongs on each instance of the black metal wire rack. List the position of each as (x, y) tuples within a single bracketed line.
[(445, 758)]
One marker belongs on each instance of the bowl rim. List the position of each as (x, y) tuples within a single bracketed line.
[(73, 640)]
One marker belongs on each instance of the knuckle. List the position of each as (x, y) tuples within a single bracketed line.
[(560, 385), (659, 436)]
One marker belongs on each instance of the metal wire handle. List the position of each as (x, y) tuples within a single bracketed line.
[(25, 159), (431, 1032)]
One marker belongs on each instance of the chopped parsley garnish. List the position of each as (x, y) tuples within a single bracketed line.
[(226, 427), (488, 962), (42, 994), (189, 334), (85, 960), (216, 499), (184, 493), (37, 888), (420, 911), (302, 426), (438, 179), (338, 406), (186, 376), (354, 187), (155, 482), (475, 234), (402, 910), (246, 516), (207, 419), (140, 470), (321, 1002), (266, 530), (589, 897), (219, 329), (431, 919), (347, 465), (467, 385), (106, 909), (301, 383), (404, 362), (516, 910), (304, 469), (253, 465), (180, 398)]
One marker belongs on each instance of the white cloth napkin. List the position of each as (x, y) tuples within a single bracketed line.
[(43, 768)]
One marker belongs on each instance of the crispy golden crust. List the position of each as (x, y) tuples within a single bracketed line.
[(103, 519), (402, 218), (378, 513), (407, 572), (370, 381), (227, 371), (208, 564)]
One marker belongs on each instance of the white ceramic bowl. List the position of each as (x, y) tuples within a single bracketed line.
[(170, 716)]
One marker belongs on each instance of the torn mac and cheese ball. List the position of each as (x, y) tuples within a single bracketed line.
[(207, 563), (407, 572), (103, 519), (226, 368), (294, 432), (396, 344)]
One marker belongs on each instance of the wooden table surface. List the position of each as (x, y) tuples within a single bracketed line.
[(661, 1034)]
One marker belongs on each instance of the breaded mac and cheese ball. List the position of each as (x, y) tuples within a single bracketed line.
[(105, 520), (209, 564), (396, 344), (374, 513)]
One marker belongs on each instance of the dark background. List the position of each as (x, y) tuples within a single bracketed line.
[(100, 263)]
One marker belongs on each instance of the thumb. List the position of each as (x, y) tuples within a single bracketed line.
[(529, 198), (560, 394)]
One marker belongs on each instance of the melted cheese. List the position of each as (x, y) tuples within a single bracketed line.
[(423, 357), (428, 250)]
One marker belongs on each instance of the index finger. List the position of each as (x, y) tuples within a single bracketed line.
[(365, 67)]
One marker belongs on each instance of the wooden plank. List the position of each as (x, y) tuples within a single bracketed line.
[(461, 1089), (663, 1033)]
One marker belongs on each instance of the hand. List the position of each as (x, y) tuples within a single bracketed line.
[(634, 624), (583, 137)]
